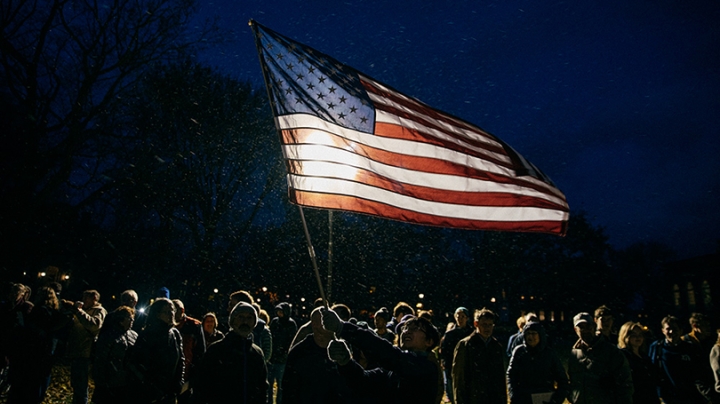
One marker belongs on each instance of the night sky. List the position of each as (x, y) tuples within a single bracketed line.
[(617, 101)]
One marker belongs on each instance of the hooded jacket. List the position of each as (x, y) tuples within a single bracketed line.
[(283, 330), (536, 370)]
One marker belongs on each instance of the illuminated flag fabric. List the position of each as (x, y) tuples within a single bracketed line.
[(352, 143)]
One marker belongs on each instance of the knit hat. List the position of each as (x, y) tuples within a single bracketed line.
[(242, 306)]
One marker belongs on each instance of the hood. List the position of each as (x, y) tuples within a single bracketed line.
[(535, 326), (285, 307)]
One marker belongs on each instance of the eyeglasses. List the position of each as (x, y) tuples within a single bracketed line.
[(412, 328)]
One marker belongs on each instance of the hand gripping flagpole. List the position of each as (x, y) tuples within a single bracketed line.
[(311, 250)]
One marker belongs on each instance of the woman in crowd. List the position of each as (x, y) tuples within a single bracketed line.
[(109, 371), (156, 361), (536, 369), (212, 334), (31, 348), (631, 342)]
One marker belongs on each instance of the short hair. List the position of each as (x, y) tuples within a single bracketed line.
[(127, 296), (669, 320), (603, 311), (403, 308), (264, 315), (485, 313), (92, 292), (242, 296), (426, 314), (154, 310), (342, 310), (46, 297), (179, 305), (624, 334), (698, 318), (521, 322), (431, 332)]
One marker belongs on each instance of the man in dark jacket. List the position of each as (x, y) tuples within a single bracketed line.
[(283, 329), (310, 376), (406, 374), (233, 369), (598, 371), (679, 365), (479, 364)]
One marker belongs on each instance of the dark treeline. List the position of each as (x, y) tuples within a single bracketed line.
[(126, 164)]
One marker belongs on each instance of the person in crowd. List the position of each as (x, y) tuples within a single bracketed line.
[(631, 341), (478, 370), (598, 371), (460, 330), (233, 369), (530, 317), (306, 329), (520, 322), (604, 322), (261, 334), (702, 339), (108, 371), (130, 299), (310, 377), (193, 338), (210, 330), (404, 373), (680, 369), (399, 311), (283, 329), (156, 361), (715, 362), (87, 316), (536, 370), (381, 319), (30, 348), (13, 311)]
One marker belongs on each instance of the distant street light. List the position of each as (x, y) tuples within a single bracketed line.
[(492, 300), (421, 296), (215, 290)]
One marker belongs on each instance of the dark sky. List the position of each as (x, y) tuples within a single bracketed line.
[(617, 101)]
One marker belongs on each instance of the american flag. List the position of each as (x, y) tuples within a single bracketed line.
[(352, 143)]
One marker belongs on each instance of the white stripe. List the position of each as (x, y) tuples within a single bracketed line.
[(387, 117), (498, 214), (460, 129), (324, 161), (405, 147)]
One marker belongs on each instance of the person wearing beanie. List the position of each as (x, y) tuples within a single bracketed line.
[(233, 369), (536, 370)]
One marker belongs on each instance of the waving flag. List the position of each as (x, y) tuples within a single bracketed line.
[(352, 143)]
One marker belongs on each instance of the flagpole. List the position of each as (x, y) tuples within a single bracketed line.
[(330, 253), (311, 250)]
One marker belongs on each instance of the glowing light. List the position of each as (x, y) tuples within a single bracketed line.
[(66, 277), (215, 290), (42, 274), (302, 299), (421, 296), (141, 310), (264, 289), (492, 300), (419, 305)]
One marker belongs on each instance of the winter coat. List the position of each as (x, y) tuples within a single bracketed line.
[(599, 374), (536, 370), (283, 330), (478, 371), (84, 331), (233, 370), (402, 376), (263, 338), (644, 377), (156, 364), (109, 367), (679, 371), (311, 377), (448, 343)]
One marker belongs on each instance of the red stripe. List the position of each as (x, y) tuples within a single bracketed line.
[(423, 109), (373, 208), (423, 164), (440, 195), (401, 132)]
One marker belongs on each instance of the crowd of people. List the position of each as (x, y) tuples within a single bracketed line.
[(162, 355)]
